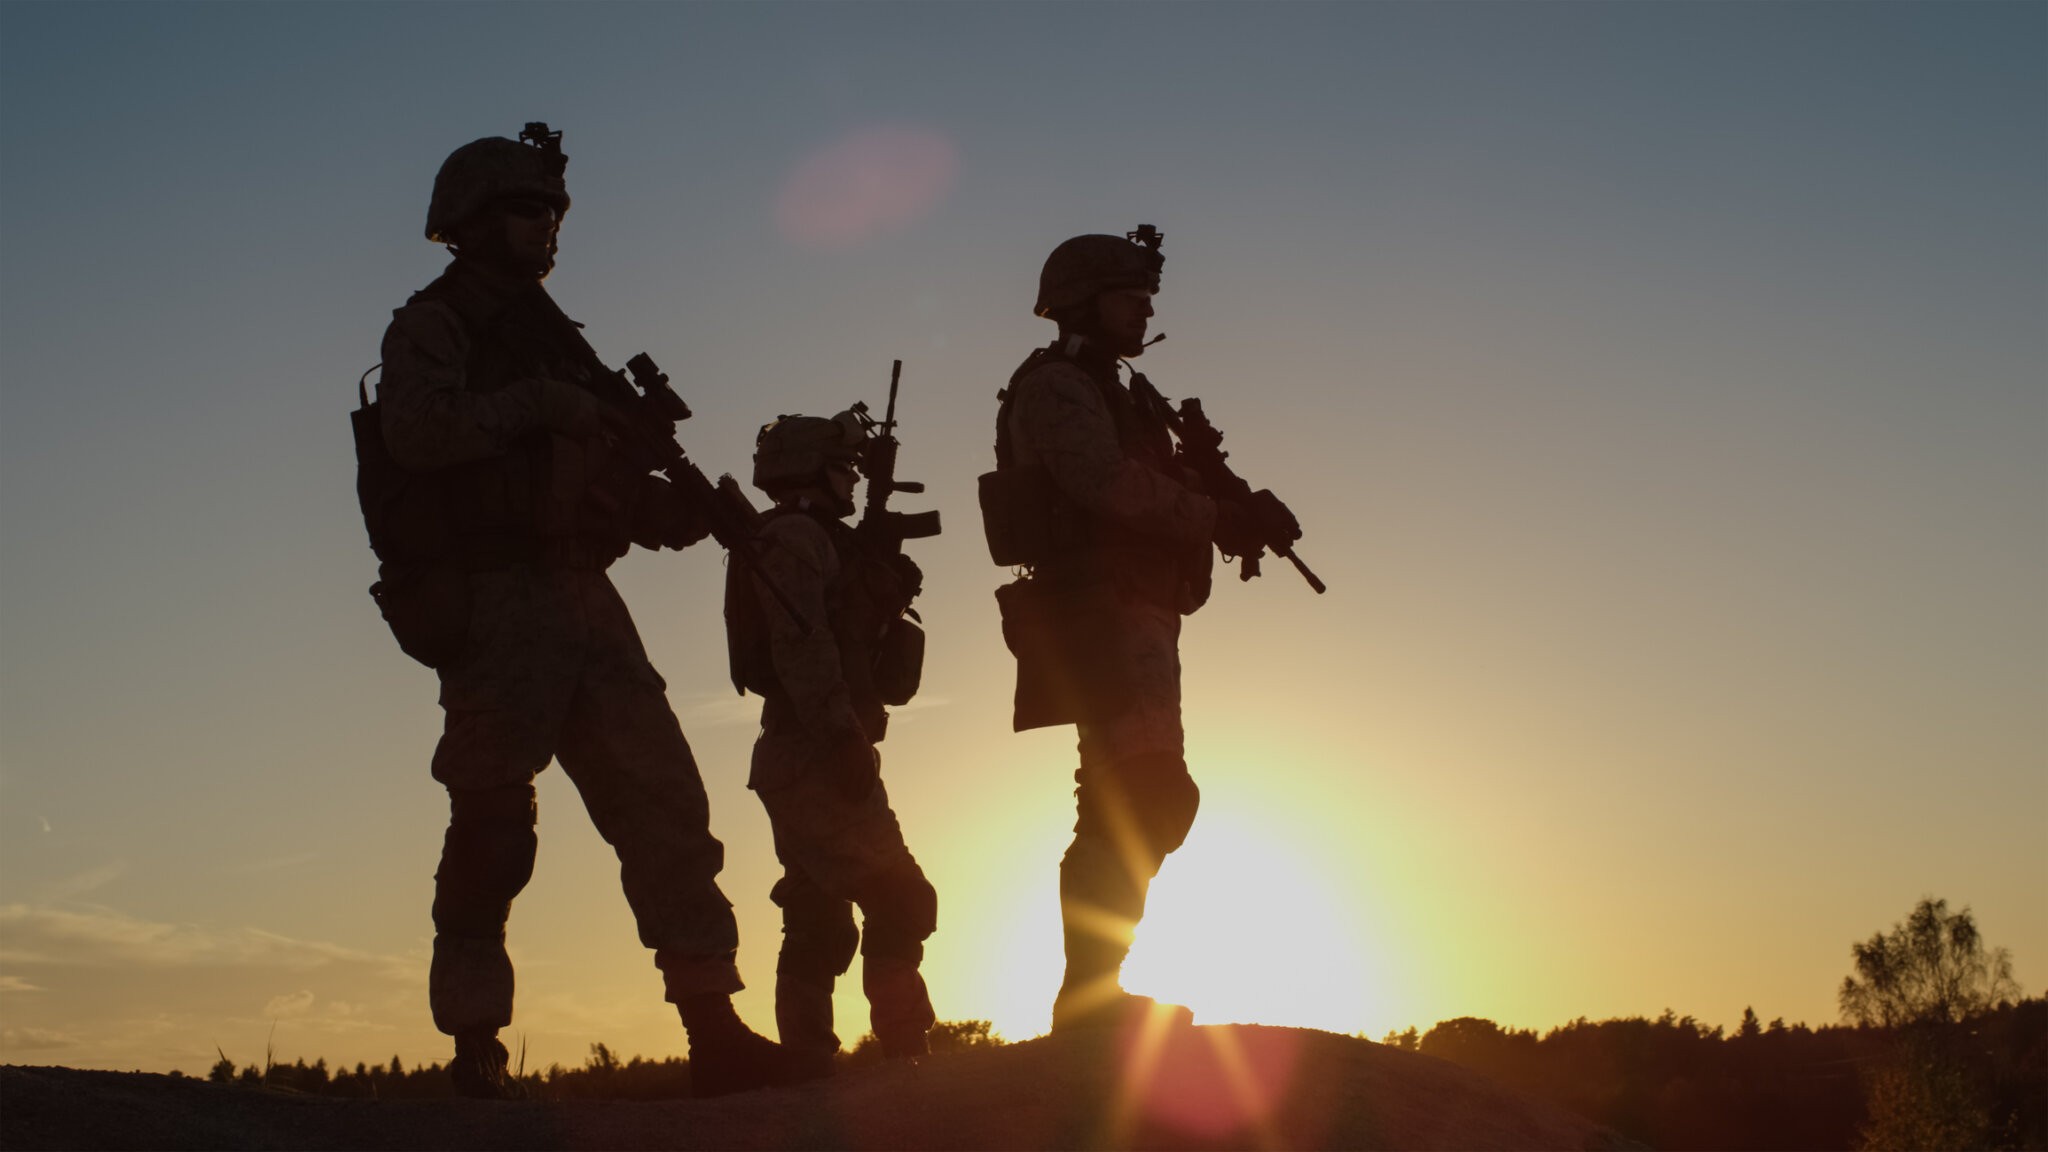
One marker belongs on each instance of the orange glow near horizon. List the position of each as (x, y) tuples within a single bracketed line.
[(1242, 927)]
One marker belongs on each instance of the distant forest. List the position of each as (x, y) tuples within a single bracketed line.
[(1669, 1082)]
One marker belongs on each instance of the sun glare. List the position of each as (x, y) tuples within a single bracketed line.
[(1244, 928)]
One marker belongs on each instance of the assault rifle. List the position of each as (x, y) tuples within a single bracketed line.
[(1201, 448), (655, 410), (880, 529)]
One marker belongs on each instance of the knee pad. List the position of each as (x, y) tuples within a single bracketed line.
[(819, 936), (1167, 804), (902, 910), (1151, 798), (486, 858)]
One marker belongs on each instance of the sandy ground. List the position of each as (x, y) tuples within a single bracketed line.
[(1210, 1087)]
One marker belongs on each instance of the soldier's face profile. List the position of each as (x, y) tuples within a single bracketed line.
[(842, 476), (1121, 316), (528, 229)]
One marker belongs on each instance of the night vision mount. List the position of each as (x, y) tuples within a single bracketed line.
[(549, 144)]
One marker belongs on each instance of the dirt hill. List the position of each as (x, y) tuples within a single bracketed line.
[(1212, 1087)]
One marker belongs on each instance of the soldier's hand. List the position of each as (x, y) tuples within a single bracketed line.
[(569, 410), (1275, 517), (1244, 528), (909, 573), (856, 766), (673, 522), (1237, 529)]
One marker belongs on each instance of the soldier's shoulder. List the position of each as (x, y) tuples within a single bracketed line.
[(1054, 373), (428, 323), (798, 532)]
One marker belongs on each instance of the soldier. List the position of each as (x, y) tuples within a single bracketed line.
[(1116, 536), (825, 676), (498, 490)]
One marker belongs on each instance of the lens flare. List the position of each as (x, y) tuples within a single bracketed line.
[(872, 180)]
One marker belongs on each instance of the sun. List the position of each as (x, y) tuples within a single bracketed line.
[(1244, 928)]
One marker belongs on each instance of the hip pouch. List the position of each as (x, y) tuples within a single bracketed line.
[(899, 662), (1068, 641), (427, 607)]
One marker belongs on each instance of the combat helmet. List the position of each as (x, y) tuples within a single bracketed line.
[(794, 450), (1084, 267), (495, 168)]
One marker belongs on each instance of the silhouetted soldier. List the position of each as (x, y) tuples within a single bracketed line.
[(497, 497), (826, 677), (1088, 495)]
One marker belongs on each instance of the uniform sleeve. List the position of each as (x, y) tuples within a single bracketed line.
[(800, 559), (1060, 421), (430, 420)]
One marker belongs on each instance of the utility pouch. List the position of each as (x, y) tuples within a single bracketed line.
[(899, 661), (403, 512), (748, 651), (427, 607), (1013, 518), (1067, 639)]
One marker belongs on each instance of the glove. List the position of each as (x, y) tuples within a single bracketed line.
[(1275, 517), (855, 766), (1247, 527), (669, 520), (567, 409), (907, 571)]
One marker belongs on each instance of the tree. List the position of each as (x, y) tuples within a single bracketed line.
[(1931, 969)]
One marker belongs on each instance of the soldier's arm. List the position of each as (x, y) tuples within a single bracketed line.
[(432, 421), (1059, 418), (800, 559)]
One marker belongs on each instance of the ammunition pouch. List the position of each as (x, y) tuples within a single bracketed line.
[(1025, 521), (427, 607), (1012, 518), (1070, 661), (899, 661)]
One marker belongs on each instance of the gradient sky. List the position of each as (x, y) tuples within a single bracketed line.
[(1661, 387)]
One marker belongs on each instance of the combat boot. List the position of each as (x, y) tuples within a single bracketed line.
[(1113, 1007), (479, 1071), (1092, 994), (726, 1056)]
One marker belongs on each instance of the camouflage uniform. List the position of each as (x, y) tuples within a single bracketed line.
[(488, 401), (839, 847), (1143, 555)]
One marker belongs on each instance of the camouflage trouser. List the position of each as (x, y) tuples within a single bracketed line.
[(554, 670), (1134, 797), (836, 853)]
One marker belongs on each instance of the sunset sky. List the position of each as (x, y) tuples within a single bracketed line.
[(1661, 388)]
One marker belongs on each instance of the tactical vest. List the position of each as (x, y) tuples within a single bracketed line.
[(1031, 523), (549, 499), (865, 606)]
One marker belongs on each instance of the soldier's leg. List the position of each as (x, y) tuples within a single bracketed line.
[(854, 850), (1135, 803), (621, 746), (818, 942), (503, 701), (486, 860), (901, 910)]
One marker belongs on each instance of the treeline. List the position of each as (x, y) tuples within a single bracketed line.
[(602, 1075), (1673, 1084), (1670, 1083)]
